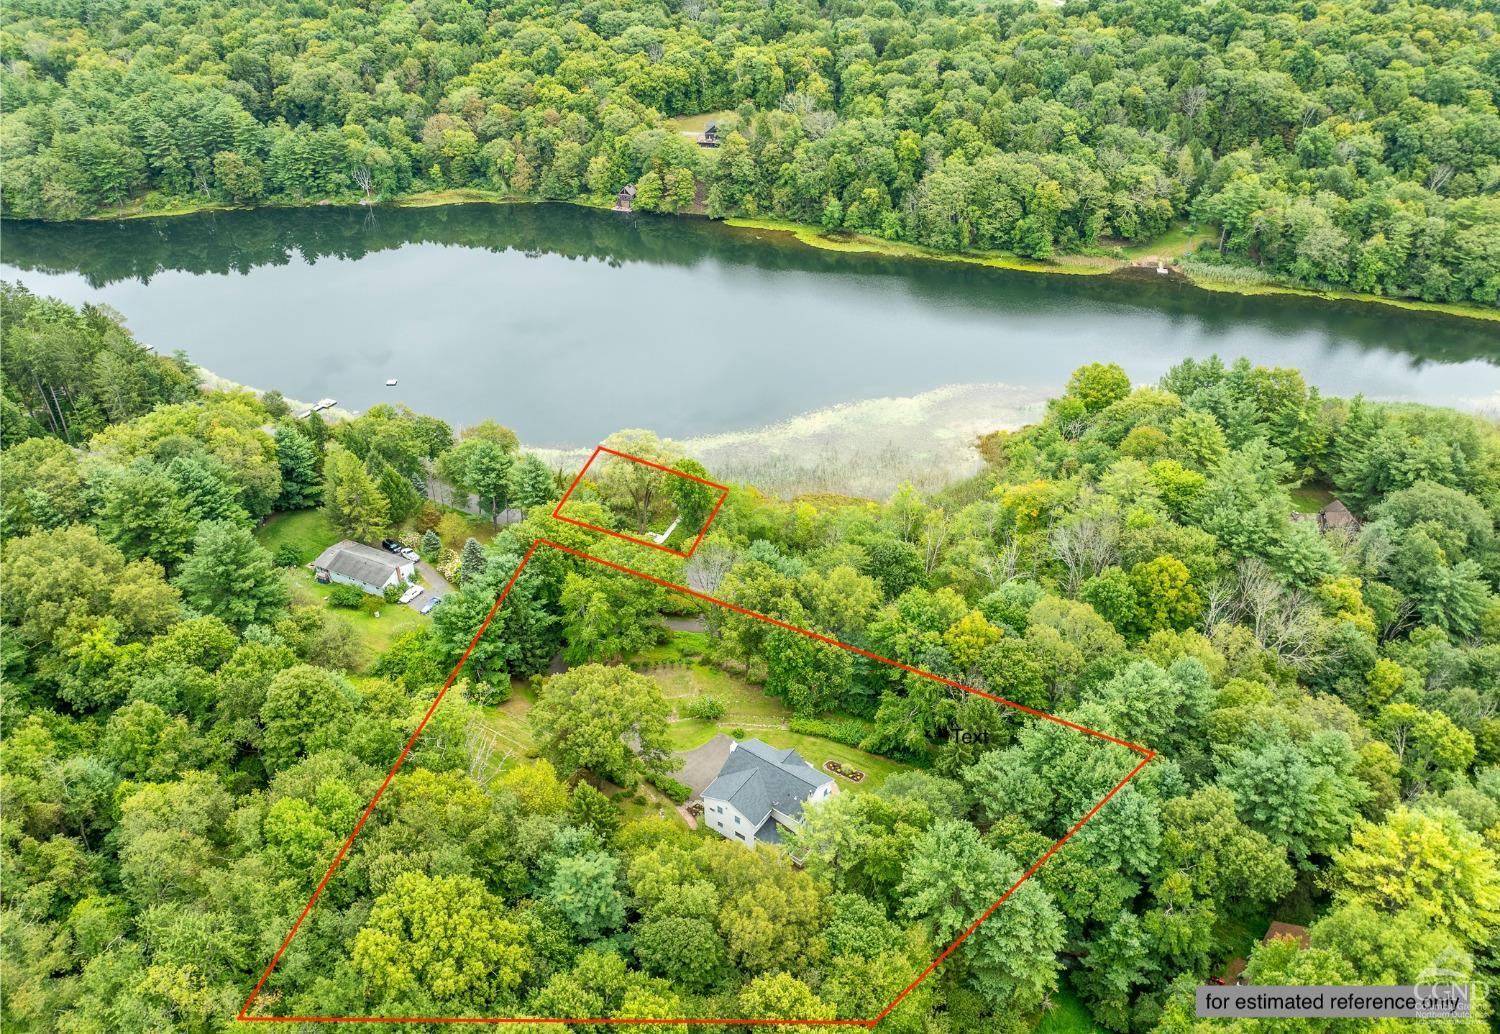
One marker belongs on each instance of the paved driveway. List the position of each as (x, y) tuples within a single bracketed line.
[(436, 584), (701, 765)]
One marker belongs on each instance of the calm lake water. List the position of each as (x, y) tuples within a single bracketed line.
[(567, 323)]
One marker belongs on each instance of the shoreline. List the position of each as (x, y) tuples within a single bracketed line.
[(864, 449), (813, 237)]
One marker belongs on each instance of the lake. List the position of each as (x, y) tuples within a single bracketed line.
[(568, 323)]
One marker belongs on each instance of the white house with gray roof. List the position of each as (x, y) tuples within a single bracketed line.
[(371, 569), (760, 787)]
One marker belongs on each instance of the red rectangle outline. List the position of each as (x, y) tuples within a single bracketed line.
[(723, 495), (244, 1016)]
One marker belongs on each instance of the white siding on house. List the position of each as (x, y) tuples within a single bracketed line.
[(727, 820)]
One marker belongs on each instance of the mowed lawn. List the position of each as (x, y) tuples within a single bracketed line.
[(1310, 498), (742, 701), (377, 624), (309, 532), (698, 123), (748, 707)]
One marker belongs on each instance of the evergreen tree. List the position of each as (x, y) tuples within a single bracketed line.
[(351, 498), (298, 460), (432, 545), (315, 428), (206, 488), (589, 808), (472, 560), (400, 495), (231, 576), (531, 482)]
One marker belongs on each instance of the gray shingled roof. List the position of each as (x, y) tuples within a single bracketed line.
[(355, 560), (769, 832), (757, 777)]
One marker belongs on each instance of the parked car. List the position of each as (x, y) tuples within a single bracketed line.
[(407, 554), (431, 603), (411, 593), (390, 545)]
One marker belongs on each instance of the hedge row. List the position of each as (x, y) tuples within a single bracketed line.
[(679, 792), (849, 733)]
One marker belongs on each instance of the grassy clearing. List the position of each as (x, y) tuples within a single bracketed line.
[(680, 648), (748, 707), (309, 532), (1067, 1016), (652, 803), (1181, 239), (698, 123), (1311, 498), (742, 701), (454, 196)]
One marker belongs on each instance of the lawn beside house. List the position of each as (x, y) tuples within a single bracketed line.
[(373, 634), (692, 733), (698, 123), (750, 708), (309, 532)]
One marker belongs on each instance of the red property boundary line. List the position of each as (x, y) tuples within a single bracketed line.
[(244, 1013), (723, 495)]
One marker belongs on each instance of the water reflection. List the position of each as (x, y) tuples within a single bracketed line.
[(568, 323)]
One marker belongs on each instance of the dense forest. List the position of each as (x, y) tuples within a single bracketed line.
[(1350, 144), (193, 725)]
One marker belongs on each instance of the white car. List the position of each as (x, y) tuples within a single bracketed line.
[(408, 554), (411, 593)]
